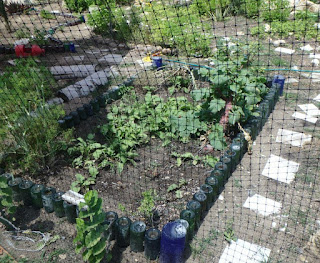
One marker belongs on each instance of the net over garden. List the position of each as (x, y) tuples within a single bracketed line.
[(204, 110)]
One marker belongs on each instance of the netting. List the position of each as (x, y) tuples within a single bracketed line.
[(157, 103)]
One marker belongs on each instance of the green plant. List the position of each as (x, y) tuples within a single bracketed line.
[(176, 187), (122, 208), (229, 233), (218, 9), (207, 159), (250, 8), (83, 184), (147, 204), (198, 246), (90, 230), (275, 10), (90, 154), (46, 14), (7, 208)]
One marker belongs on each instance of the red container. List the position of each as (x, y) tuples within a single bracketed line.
[(22, 51)]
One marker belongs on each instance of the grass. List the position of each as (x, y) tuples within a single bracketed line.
[(198, 246)]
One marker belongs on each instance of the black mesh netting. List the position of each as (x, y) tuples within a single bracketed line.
[(154, 104)]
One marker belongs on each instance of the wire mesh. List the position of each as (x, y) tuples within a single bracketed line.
[(140, 99)]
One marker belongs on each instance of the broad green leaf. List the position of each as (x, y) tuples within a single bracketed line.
[(3, 184), (100, 247), (86, 254), (216, 105), (252, 99), (179, 161), (172, 187), (220, 80), (80, 178), (93, 171), (92, 238), (200, 94), (179, 194), (78, 248)]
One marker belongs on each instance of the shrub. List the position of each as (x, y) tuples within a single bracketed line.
[(250, 8), (275, 10), (28, 128), (218, 8)]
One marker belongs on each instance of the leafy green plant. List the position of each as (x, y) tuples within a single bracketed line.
[(218, 9), (90, 230), (82, 184), (229, 234), (7, 208), (90, 154), (275, 10), (46, 14), (250, 8), (195, 159), (176, 187), (147, 204)]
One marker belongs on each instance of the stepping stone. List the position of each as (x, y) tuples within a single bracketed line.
[(111, 58), (314, 56), (74, 58), (144, 65), (315, 62), (262, 205), (280, 169), (305, 117), (54, 101), (291, 80), (285, 50), (77, 71), (294, 138), (241, 251), (317, 98), (310, 109), (307, 48)]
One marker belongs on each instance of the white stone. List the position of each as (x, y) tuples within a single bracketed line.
[(274, 224), (11, 62), (291, 80), (111, 58), (314, 56), (285, 50), (295, 68), (315, 62), (279, 42), (310, 109), (280, 169), (221, 197), (305, 117), (240, 33), (307, 48), (317, 98), (241, 251), (267, 28), (294, 138), (262, 205)]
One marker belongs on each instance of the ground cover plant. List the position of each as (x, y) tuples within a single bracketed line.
[(28, 127)]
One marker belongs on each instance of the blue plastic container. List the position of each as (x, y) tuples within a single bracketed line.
[(157, 62), (173, 241), (72, 47), (280, 80)]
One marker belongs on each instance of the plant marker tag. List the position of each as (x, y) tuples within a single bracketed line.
[(241, 251), (262, 205), (302, 116), (293, 138), (310, 109), (280, 169)]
